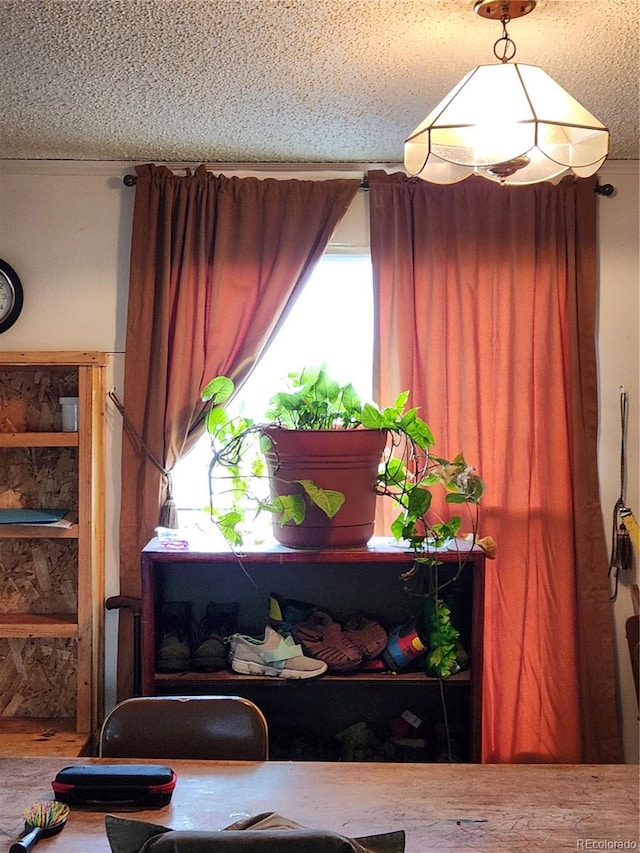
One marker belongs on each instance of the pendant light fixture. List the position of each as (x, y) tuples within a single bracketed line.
[(508, 122)]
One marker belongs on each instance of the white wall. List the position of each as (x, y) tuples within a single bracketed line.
[(65, 228), (619, 367)]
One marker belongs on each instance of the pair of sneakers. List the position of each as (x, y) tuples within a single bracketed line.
[(177, 648), (273, 655), (219, 622), (344, 644)]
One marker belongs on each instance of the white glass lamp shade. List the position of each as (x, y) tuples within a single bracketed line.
[(510, 123)]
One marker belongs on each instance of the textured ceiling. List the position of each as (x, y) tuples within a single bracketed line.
[(289, 81)]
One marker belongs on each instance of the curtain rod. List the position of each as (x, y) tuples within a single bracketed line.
[(601, 189), (130, 181)]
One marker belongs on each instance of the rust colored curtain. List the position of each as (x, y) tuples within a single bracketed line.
[(216, 262), (485, 310)]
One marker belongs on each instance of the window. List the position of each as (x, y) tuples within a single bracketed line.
[(331, 323)]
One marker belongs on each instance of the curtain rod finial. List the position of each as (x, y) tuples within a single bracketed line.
[(605, 189)]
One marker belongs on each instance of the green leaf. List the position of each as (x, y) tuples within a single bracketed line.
[(265, 443), (258, 467), (397, 527), (393, 472), (217, 390), (419, 501), (409, 417), (431, 479), (390, 419), (215, 418), (350, 400), (372, 418), (446, 529), (401, 402), (308, 376), (328, 500), (325, 387), (290, 507), (420, 432), (475, 488), (227, 524)]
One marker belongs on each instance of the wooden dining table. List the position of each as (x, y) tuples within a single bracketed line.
[(441, 807)]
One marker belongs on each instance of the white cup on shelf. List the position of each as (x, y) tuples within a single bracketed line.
[(69, 414)]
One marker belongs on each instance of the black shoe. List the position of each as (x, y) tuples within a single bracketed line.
[(219, 622), (286, 612), (173, 635)]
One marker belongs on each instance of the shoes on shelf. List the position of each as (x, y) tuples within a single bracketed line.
[(286, 612), (219, 622), (324, 639), (274, 655), (365, 633), (343, 644), (173, 637)]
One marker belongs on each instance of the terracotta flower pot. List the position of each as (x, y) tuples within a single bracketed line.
[(343, 460)]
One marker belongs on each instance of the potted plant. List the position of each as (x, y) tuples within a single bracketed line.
[(313, 505)]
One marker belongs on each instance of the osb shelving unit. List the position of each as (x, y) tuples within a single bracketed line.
[(51, 577)]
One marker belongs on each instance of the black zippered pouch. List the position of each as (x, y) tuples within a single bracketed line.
[(108, 786)]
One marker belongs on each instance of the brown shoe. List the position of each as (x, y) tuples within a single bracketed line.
[(324, 639), (365, 633)]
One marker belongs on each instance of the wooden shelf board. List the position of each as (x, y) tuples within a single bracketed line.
[(21, 736), (54, 357), (185, 679), (39, 439), (379, 549), (26, 625), (37, 531)]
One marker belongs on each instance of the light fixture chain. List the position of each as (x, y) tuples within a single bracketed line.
[(508, 45)]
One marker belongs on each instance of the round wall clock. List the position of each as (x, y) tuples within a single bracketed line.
[(11, 296)]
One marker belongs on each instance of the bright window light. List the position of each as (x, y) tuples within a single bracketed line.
[(331, 323)]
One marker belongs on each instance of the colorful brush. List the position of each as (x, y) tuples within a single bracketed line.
[(41, 821)]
